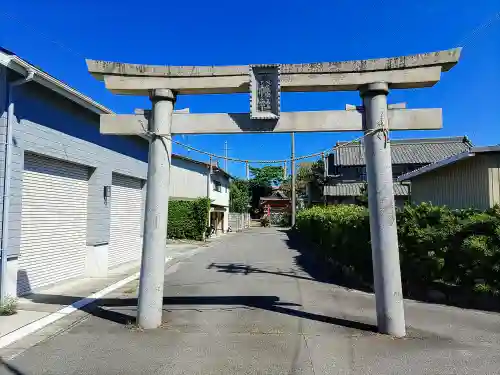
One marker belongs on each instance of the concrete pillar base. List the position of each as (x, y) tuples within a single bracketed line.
[(96, 262), (11, 279)]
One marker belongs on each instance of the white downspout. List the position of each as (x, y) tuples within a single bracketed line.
[(6, 185)]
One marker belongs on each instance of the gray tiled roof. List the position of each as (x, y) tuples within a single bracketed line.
[(276, 194), (407, 151), (449, 161), (353, 189)]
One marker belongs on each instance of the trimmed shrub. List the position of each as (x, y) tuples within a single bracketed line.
[(342, 232), (437, 245), (265, 222), (188, 219)]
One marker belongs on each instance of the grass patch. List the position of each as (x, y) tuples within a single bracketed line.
[(130, 290), (132, 326), (9, 307)]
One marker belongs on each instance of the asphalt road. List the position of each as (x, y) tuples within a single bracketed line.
[(246, 305)]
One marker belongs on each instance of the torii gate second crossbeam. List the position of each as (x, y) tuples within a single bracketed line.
[(372, 78)]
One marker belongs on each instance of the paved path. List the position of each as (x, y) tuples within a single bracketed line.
[(246, 306)]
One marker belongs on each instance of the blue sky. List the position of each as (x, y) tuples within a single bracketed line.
[(56, 35)]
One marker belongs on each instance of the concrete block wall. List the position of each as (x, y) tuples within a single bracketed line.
[(233, 221), (239, 221)]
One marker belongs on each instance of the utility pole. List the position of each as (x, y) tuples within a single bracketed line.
[(294, 206), (209, 188), (186, 137), (150, 304), (209, 178), (247, 171), (225, 156), (325, 175), (383, 230)]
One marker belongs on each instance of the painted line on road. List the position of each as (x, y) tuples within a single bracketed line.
[(65, 311)]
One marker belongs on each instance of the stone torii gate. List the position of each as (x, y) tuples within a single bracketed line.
[(372, 78)]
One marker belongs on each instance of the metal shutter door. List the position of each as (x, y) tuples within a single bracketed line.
[(53, 222), (125, 243)]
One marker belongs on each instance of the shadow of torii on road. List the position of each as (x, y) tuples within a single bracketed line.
[(244, 269), (107, 308)]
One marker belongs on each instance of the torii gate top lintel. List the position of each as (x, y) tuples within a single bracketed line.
[(412, 71)]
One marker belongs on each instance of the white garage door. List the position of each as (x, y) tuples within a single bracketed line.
[(53, 222), (125, 242)]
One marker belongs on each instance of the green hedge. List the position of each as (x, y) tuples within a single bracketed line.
[(188, 219), (437, 245)]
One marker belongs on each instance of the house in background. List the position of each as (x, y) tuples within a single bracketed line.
[(346, 167), (74, 198), (470, 179), (219, 196), (191, 179)]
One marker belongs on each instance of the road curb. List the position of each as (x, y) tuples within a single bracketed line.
[(36, 325)]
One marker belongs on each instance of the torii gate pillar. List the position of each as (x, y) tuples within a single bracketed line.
[(150, 304), (383, 230)]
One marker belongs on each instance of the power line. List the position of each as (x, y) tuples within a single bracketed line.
[(43, 35), (485, 25), (381, 128)]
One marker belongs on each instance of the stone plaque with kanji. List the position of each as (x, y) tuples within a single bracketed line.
[(264, 92)]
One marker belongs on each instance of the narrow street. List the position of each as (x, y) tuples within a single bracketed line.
[(253, 303)]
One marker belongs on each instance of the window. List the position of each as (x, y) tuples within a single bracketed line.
[(361, 173), (217, 186)]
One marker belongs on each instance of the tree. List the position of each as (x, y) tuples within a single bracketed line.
[(317, 176), (262, 181), (268, 175), (311, 174), (239, 196)]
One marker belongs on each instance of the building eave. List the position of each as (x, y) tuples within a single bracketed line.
[(451, 160), (434, 166), (207, 165), (22, 67)]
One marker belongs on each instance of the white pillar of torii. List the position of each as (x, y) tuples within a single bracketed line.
[(372, 78)]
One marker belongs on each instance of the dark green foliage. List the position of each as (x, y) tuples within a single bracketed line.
[(239, 196), (317, 177), (342, 231), (437, 245), (262, 181), (188, 219), (265, 221), (285, 219), (268, 175), (258, 191), (308, 175)]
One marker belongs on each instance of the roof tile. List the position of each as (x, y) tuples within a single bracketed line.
[(353, 189), (407, 151)]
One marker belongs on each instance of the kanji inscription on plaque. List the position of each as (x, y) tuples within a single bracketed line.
[(264, 92)]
